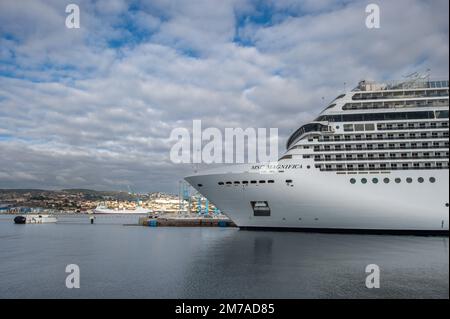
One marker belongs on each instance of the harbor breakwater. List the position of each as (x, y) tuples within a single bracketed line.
[(186, 222)]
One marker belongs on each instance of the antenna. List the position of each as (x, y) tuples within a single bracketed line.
[(411, 75), (416, 80)]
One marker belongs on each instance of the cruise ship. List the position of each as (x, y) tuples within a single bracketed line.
[(375, 160), (101, 209)]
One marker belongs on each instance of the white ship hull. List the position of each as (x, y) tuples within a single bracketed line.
[(328, 201)]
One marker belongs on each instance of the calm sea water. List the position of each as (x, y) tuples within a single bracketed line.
[(118, 261)]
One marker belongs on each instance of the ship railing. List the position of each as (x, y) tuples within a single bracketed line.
[(415, 83)]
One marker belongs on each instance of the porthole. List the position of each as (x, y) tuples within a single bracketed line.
[(432, 180), (409, 180), (262, 181), (220, 183), (420, 180), (352, 180), (375, 180), (386, 180), (364, 180), (398, 180), (200, 185)]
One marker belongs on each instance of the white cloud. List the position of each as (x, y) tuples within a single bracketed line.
[(95, 108)]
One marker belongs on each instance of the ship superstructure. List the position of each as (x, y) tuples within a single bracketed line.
[(375, 159)]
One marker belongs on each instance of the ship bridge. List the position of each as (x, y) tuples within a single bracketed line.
[(307, 128)]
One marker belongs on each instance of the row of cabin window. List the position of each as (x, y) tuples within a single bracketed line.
[(383, 136), (394, 126), (382, 166), (400, 94), (395, 104), (411, 126), (332, 147), (391, 116), (372, 155), (377, 156), (397, 180), (380, 146), (270, 181)]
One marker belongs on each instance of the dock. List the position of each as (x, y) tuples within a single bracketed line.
[(186, 222)]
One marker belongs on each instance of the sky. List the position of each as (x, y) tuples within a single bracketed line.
[(94, 107)]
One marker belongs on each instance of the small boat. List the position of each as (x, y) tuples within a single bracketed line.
[(20, 220), (35, 219)]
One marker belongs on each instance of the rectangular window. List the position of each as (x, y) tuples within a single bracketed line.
[(286, 157), (348, 127), (260, 208)]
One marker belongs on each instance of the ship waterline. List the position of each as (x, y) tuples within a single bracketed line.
[(376, 159)]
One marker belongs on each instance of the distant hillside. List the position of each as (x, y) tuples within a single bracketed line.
[(85, 193), (24, 190), (120, 195), (90, 191)]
